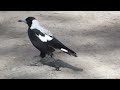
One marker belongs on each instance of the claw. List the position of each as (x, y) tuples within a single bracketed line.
[(57, 69)]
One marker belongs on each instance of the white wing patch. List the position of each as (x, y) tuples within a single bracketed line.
[(41, 38), (36, 25), (64, 50), (48, 37), (44, 38)]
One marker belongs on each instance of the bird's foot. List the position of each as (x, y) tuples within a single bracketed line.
[(51, 55), (57, 69), (38, 63)]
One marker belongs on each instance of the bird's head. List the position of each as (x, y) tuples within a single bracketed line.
[(28, 21)]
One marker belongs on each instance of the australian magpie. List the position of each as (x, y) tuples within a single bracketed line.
[(43, 39)]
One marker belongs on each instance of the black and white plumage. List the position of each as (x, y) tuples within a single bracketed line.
[(43, 39)]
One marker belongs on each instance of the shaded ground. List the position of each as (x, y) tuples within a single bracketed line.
[(95, 36)]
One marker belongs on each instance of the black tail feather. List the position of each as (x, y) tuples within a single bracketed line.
[(70, 52), (58, 45)]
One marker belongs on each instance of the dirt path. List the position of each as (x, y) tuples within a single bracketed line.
[(95, 36)]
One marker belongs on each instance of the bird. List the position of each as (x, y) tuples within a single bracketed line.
[(43, 40)]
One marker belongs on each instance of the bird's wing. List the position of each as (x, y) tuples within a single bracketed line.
[(42, 36), (58, 45), (53, 42), (37, 32), (44, 30)]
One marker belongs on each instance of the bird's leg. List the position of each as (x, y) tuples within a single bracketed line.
[(51, 54), (57, 69), (42, 54), (36, 63)]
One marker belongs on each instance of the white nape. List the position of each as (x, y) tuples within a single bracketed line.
[(36, 25)]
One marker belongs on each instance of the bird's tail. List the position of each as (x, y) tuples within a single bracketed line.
[(58, 45), (69, 51)]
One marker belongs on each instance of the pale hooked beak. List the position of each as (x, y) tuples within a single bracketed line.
[(22, 21)]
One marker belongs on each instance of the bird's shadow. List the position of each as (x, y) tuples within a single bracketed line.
[(56, 63)]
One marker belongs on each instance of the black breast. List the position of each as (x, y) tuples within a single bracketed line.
[(41, 46), (35, 40)]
